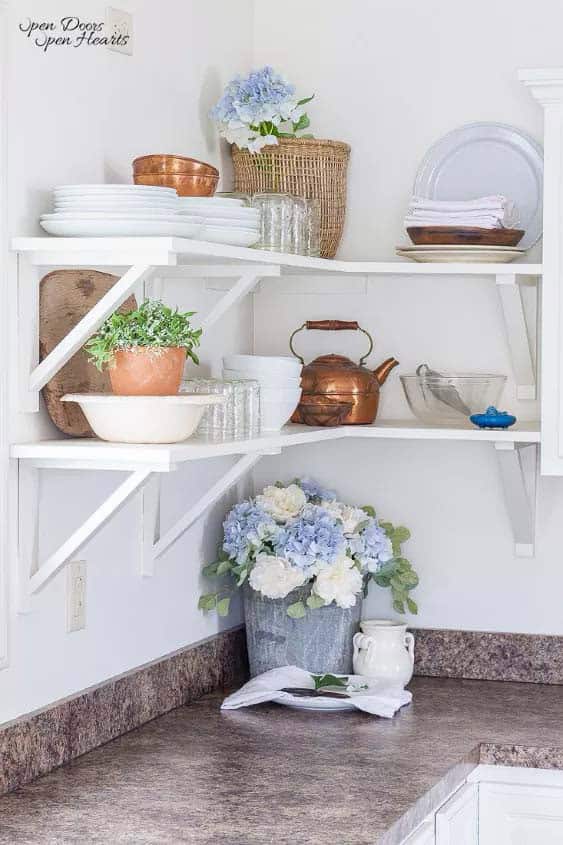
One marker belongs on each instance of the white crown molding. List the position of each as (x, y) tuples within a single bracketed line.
[(545, 84)]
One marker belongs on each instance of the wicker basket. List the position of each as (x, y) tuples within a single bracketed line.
[(304, 167)]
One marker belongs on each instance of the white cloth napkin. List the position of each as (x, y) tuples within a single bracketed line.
[(490, 212), (379, 699)]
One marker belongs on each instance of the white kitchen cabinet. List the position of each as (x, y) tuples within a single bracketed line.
[(517, 814), (457, 819), (423, 835)]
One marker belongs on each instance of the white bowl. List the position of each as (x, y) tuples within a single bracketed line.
[(274, 415), (278, 365), (263, 380), (280, 394), (143, 419)]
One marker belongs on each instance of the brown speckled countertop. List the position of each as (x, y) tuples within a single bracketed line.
[(269, 774)]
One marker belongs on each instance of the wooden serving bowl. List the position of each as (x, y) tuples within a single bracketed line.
[(186, 185), (172, 164), (463, 236)]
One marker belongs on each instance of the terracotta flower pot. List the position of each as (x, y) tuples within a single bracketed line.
[(147, 370)]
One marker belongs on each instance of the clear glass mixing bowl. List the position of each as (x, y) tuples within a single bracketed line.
[(449, 400)]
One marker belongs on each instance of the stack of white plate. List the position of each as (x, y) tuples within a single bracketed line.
[(280, 384), (117, 210), (226, 220)]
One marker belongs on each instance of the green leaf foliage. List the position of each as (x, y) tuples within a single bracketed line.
[(305, 100), (210, 569), (223, 606), (369, 510), (302, 123), (315, 601), (207, 601), (224, 567), (153, 324), (296, 610), (329, 681)]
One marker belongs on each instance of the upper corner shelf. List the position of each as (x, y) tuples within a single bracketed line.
[(167, 252)]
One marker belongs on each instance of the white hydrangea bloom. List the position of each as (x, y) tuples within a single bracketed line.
[(349, 516), (339, 583), (274, 577), (282, 503)]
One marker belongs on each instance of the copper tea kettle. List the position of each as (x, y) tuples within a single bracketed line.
[(335, 390)]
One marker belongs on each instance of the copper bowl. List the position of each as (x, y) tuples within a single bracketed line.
[(185, 185), (324, 413), (463, 236), (173, 164)]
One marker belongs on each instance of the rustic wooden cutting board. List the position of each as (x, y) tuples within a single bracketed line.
[(65, 296)]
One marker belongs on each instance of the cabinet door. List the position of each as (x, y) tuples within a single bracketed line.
[(457, 819), (512, 814), (423, 835)]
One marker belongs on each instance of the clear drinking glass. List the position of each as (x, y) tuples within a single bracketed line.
[(237, 419), (276, 213), (300, 226), (313, 228)]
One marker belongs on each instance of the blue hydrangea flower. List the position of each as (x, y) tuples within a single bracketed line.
[(246, 530), (253, 98), (313, 537), (371, 547), (315, 492)]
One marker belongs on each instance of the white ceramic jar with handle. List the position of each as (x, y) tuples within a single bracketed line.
[(384, 650)]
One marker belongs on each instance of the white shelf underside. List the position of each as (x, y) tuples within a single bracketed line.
[(97, 454), (170, 252)]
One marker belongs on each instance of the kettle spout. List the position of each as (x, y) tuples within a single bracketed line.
[(384, 369)]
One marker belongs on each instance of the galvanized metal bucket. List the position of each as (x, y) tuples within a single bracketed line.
[(320, 642)]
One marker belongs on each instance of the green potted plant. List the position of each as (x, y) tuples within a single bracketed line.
[(145, 349)]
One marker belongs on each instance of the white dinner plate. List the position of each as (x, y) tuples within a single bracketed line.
[(72, 190), (232, 235), (482, 159), (117, 215), (220, 223), (220, 217), (107, 204), (80, 228), (463, 255)]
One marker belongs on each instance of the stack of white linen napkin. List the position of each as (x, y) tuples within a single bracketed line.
[(495, 212), (377, 698)]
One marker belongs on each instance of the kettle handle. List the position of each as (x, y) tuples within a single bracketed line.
[(332, 326)]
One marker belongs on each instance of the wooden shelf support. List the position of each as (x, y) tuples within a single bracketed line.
[(517, 334), (519, 474)]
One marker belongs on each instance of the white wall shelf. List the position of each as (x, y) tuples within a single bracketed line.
[(171, 252), (141, 257), (144, 465)]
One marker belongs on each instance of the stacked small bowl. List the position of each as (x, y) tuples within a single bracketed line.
[(280, 384), (188, 176), (226, 220)]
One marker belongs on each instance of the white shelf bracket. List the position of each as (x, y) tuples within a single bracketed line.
[(228, 480), (519, 474), (150, 524), (247, 279), (32, 575), (34, 375), (517, 334)]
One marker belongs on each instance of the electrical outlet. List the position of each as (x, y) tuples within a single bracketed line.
[(119, 30), (76, 596)]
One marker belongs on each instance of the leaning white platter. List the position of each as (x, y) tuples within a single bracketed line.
[(81, 228), (483, 159), (463, 255)]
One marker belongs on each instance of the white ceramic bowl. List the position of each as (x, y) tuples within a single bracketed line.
[(143, 419), (278, 365), (275, 414), (275, 394), (263, 380)]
